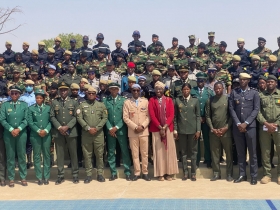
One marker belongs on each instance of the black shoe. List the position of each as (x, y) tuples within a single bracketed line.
[(113, 177), (146, 177), (135, 178), (229, 178), (193, 178), (222, 160), (209, 165), (2, 183), (59, 180), (128, 177), (75, 180), (28, 165), (69, 165), (185, 177), (40, 182), (151, 161), (100, 178), (254, 181), (118, 165), (240, 179), (87, 180), (46, 182), (215, 177)]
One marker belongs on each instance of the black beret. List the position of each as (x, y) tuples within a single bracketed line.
[(262, 77), (109, 63), (102, 50), (174, 39), (154, 35), (261, 39), (54, 85), (202, 45), (223, 43), (181, 47), (219, 60), (158, 43), (2, 56), (83, 54), (18, 54), (138, 44), (120, 55), (271, 77)]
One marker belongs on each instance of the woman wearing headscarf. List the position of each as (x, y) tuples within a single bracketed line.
[(161, 111)]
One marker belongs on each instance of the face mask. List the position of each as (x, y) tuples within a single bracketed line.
[(29, 89)]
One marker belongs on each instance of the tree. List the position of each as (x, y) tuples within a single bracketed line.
[(6, 16), (65, 40)]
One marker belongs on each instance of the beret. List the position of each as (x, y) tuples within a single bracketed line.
[(181, 47), (142, 78), (91, 89), (244, 76), (35, 52), (51, 50), (261, 39), (73, 41), (102, 50), (25, 43), (29, 82), (223, 43), (34, 71), (174, 39), (192, 60), (50, 66), (83, 54), (57, 39), (171, 67), (87, 86), (137, 43), (40, 92), (154, 35), (211, 33), (136, 86), (183, 68), (201, 45), (159, 84), (120, 55), (255, 57), (62, 85), (191, 36), (42, 43), (99, 36), (219, 60), (113, 84), (15, 88), (240, 40), (85, 38), (236, 58), (158, 43), (136, 33), (74, 86), (201, 75), (272, 58), (150, 62), (131, 65), (84, 80), (67, 52), (8, 43), (118, 41), (271, 77), (131, 78), (236, 80), (156, 72), (105, 82), (262, 77), (54, 85), (2, 68), (109, 63)]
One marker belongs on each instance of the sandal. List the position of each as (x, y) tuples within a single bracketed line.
[(193, 178), (160, 178), (24, 182), (12, 183)]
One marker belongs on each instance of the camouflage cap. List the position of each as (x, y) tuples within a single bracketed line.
[(40, 92), (41, 43), (191, 36), (272, 58), (67, 52), (51, 50), (74, 86), (236, 58), (211, 33)]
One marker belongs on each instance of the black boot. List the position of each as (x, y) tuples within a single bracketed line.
[(29, 163)]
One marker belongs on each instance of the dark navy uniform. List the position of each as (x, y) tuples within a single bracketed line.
[(74, 56), (244, 108), (102, 94), (88, 51), (64, 67), (34, 66), (235, 72), (131, 47), (50, 62), (9, 56), (256, 73), (115, 53), (26, 56), (127, 94), (58, 55), (42, 56), (96, 47), (245, 57)]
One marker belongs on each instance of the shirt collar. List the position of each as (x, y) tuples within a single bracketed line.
[(188, 98)]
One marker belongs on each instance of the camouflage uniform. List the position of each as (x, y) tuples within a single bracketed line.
[(20, 84), (172, 53), (226, 57), (212, 48), (224, 76), (21, 67), (82, 68), (161, 60), (139, 59), (6, 70), (39, 84), (151, 48), (121, 68), (263, 54), (48, 82), (202, 61), (100, 66), (177, 61), (277, 54), (191, 51)]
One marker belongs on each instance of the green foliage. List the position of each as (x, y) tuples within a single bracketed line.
[(65, 41)]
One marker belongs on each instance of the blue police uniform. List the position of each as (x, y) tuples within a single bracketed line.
[(131, 47), (9, 56), (74, 56), (245, 57), (26, 56), (96, 48), (88, 51), (42, 56)]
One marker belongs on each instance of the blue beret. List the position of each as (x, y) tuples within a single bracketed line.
[(223, 43), (52, 67), (136, 86), (261, 39), (72, 40), (136, 33), (142, 77)]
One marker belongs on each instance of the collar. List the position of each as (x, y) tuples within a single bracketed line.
[(188, 98)]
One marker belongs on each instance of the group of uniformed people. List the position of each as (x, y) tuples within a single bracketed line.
[(80, 98)]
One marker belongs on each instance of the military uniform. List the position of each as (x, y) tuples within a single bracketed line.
[(82, 68), (191, 51), (20, 84), (212, 48), (277, 54), (115, 54), (121, 68), (172, 52), (94, 83), (23, 69), (88, 52), (245, 57), (161, 60), (131, 47), (177, 86), (226, 57), (151, 48), (96, 48), (113, 76), (139, 59), (34, 66), (168, 81), (69, 79), (3, 157), (202, 61), (180, 61), (74, 56), (224, 77), (48, 82), (263, 54), (99, 65)]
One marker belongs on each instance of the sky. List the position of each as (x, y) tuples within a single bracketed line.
[(117, 19)]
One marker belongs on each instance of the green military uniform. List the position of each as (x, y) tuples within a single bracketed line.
[(191, 50), (20, 84), (218, 116), (224, 77), (263, 54), (269, 112), (202, 61), (115, 119), (187, 123), (13, 115), (99, 65), (160, 59), (203, 96), (6, 70), (19, 66), (277, 54), (3, 158), (172, 53), (121, 68), (92, 115), (63, 114), (48, 82), (39, 84), (82, 69), (39, 119), (180, 61), (151, 48), (212, 48), (69, 79), (139, 59), (226, 57)]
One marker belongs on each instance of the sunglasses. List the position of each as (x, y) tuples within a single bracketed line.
[(200, 80), (28, 85), (136, 90), (14, 93), (211, 71), (92, 93), (91, 73)]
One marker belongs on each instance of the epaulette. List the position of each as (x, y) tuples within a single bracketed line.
[(193, 96), (83, 102)]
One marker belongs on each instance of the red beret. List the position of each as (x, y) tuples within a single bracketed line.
[(131, 65)]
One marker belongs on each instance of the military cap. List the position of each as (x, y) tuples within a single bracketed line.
[(255, 57), (272, 58), (42, 43), (2, 68), (101, 50), (57, 39), (15, 88), (40, 92), (219, 60), (278, 39), (223, 43), (85, 38), (99, 36), (202, 45), (87, 86), (25, 43), (67, 52), (34, 71), (192, 60), (120, 55), (244, 76), (16, 70), (83, 54), (142, 78), (150, 62), (74, 86), (271, 77), (183, 68), (72, 64), (240, 40), (2, 56), (91, 89), (191, 36), (158, 43), (29, 82), (8, 43), (84, 80), (201, 75), (262, 77), (91, 70), (62, 85), (261, 39), (35, 52), (73, 41), (136, 86), (154, 35), (236, 80), (181, 47), (113, 85), (174, 39), (136, 33), (50, 66), (54, 85), (105, 82), (171, 67), (211, 33), (118, 41), (236, 58), (131, 78), (51, 50), (137, 43), (131, 65), (110, 63), (156, 72)]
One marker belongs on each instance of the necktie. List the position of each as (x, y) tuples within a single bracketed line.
[(200, 91), (109, 78), (40, 108), (15, 106), (90, 82), (63, 102)]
